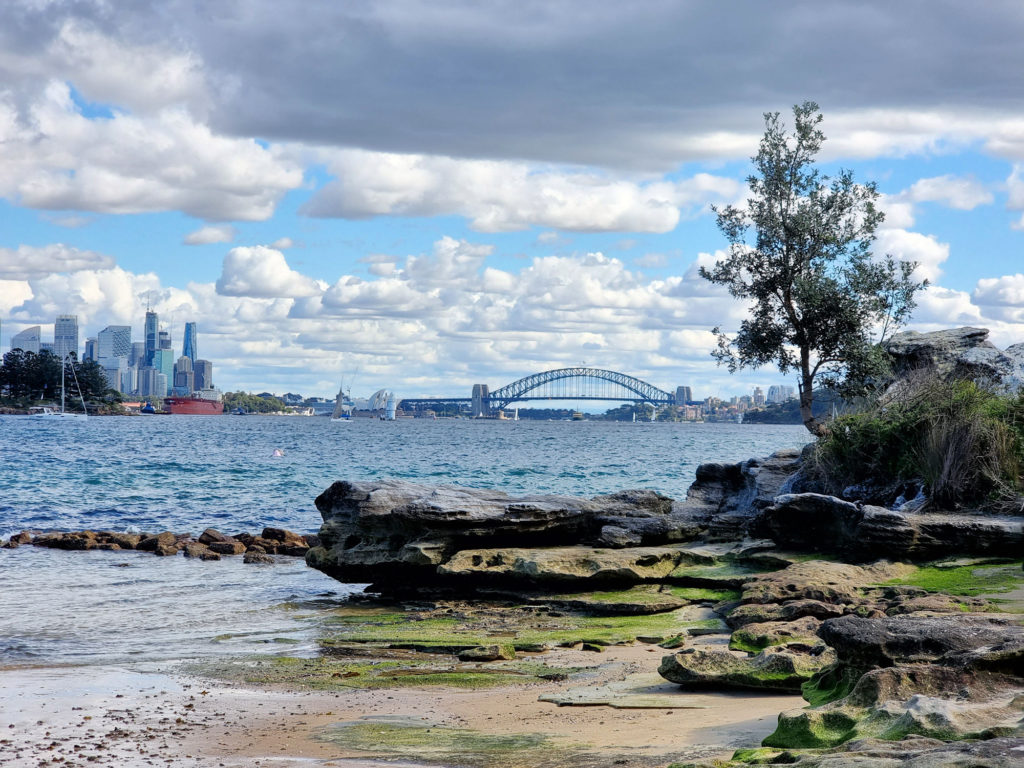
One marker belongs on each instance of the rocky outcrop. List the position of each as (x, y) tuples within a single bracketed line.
[(393, 531), (819, 523), (957, 353), (209, 545), (949, 677)]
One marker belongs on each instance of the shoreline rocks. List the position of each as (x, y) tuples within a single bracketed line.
[(209, 545)]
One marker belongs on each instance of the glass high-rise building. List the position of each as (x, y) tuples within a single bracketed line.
[(188, 348), (114, 341), (27, 340), (202, 371), (163, 361), (152, 333), (65, 336)]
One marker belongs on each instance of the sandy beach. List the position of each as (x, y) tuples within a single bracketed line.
[(150, 716)]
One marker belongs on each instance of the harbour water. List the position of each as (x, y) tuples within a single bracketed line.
[(188, 473)]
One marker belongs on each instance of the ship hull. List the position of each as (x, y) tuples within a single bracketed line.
[(193, 406)]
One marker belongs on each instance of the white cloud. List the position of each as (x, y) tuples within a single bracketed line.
[(223, 233), (26, 261), (964, 194), (262, 272), (53, 157), (928, 252), (283, 244), (505, 196)]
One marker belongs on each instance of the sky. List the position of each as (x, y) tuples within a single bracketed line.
[(421, 195)]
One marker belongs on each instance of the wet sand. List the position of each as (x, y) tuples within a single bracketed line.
[(148, 716)]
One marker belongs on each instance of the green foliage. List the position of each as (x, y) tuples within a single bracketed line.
[(28, 376), (966, 443), (816, 290), (253, 403)]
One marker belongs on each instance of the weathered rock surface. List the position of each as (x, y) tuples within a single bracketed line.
[(783, 668), (958, 353), (818, 523), (919, 752), (949, 677)]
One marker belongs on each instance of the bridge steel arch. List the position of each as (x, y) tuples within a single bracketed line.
[(518, 389)]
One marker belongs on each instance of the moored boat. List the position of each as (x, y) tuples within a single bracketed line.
[(204, 402)]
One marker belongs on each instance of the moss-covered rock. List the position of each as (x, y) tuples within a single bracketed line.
[(773, 668)]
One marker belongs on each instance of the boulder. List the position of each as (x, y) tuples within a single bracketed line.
[(774, 668), (920, 752), (754, 637), (257, 557), (231, 546), (488, 653)]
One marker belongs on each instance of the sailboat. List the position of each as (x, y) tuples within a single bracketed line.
[(342, 406), (48, 412)]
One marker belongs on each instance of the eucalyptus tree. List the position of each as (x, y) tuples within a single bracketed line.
[(800, 254)]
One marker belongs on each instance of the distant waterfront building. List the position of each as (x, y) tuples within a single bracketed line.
[(137, 357), (202, 374), (46, 346), (113, 369), (481, 393), (65, 336), (90, 350), (758, 397), (114, 341), (188, 347), (163, 362), (152, 333), (684, 395), (27, 340), (151, 382), (129, 380), (184, 376), (780, 393)]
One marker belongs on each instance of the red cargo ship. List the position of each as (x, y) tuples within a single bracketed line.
[(194, 406)]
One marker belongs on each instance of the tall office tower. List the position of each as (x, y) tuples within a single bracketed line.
[(184, 376), (137, 357), (152, 336), (147, 381), (65, 336), (90, 350), (165, 340), (114, 341), (481, 404), (683, 395), (188, 348), (163, 361), (203, 374), (758, 396), (27, 340), (130, 380), (113, 369)]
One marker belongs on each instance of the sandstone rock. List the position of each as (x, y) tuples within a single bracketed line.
[(773, 668), (564, 565), (940, 351), (488, 653), (790, 610), (195, 549), (819, 523), (919, 752), (230, 546), (286, 537), (867, 643), (151, 542), (821, 581), (775, 633), (123, 540), (257, 557), (212, 536)]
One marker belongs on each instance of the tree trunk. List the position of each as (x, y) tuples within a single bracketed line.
[(814, 426)]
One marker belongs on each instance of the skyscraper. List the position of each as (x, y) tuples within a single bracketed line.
[(65, 336), (163, 361), (184, 376), (90, 350), (27, 340), (114, 341), (165, 340), (202, 374), (152, 336), (188, 348)]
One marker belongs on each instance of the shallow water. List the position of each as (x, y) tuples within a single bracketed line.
[(189, 473)]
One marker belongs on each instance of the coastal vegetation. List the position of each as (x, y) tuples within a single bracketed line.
[(962, 442), (29, 377), (251, 403), (821, 299)]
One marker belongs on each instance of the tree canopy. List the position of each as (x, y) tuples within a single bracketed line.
[(820, 299)]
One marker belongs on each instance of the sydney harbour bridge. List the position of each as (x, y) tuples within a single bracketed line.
[(559, 384)]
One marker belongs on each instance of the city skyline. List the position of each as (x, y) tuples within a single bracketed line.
[(438, 204)]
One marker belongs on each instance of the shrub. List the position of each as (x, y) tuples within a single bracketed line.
[(964, 442)]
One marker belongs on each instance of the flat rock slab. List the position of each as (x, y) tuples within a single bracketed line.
[(646, 690)]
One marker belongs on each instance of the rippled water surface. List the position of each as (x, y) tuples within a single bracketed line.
[(189, 473)]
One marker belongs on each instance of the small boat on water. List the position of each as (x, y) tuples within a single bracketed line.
[(48, 412), (343, 406)]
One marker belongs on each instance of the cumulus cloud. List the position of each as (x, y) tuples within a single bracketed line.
[(506, 196), (223, 233), (283, 244), (26, 261), (54, 157), (903, 245), (262, 272)]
